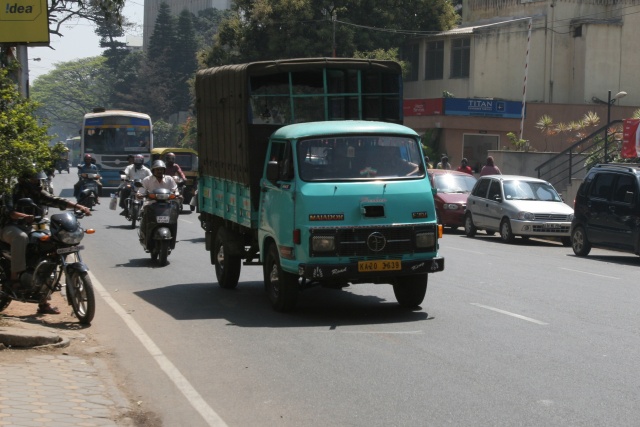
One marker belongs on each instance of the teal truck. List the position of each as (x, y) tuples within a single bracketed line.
[(306, 169)]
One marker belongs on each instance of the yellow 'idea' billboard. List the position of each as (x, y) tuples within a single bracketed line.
[(24, 21)]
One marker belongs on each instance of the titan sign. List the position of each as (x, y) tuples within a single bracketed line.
[(24, 21)]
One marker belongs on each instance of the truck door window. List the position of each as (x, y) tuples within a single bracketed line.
[(281, 153)]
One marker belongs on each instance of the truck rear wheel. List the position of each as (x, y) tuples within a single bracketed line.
[(410, 290), (227, 266), (282, 287)]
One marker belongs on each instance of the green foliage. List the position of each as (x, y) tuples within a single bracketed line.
[(576, 130), (382, 54), (189, 132), (276, 29), (23, 141), (72, 89), (165, 134), (519, 144)]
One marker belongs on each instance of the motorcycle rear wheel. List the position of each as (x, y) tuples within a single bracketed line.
[(81, 296)]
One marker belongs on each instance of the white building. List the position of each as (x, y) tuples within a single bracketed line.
[(571, 52)]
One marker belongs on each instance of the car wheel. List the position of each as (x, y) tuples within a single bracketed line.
[(579, 242), (469, 229), (505, 231)]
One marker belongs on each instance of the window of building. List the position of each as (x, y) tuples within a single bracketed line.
[(434, 61), (411, 54), (460, 57)]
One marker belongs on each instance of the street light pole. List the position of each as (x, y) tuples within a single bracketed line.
[(606, 129)]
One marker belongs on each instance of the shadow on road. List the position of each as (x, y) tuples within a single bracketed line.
[(248, 306)]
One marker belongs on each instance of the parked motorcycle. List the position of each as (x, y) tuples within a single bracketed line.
[(88, 193), (53, 251), (159, 224)]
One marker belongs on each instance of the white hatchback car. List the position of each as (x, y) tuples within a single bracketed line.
[(517, 206)]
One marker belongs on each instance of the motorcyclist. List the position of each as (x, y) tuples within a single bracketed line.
[(88, 166), (16, 224), (158, 179), (134, 171), (173, 169)]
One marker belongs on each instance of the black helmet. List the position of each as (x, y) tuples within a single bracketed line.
[(158, 164), (87, 157), (138, 159), (39, 175), (170, 157)]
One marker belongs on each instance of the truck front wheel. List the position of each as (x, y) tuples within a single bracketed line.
[(227, 266), (281, 286), (410, 290)]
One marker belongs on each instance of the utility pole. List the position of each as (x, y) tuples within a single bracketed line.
[(334, 16)]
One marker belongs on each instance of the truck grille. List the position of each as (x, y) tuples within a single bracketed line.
[(373, 241)]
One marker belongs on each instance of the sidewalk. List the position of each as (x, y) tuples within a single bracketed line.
[(50, 376)]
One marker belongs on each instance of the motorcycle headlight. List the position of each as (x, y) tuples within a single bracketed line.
[(70, 237)]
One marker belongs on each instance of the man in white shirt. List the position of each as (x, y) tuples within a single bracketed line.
[(158, 179), (136, 170)]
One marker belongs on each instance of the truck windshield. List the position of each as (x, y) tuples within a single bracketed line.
[(362, 157)]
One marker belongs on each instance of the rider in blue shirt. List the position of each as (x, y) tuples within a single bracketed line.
[(87, 167)]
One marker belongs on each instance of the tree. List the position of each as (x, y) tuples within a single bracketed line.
[(184, 55), (72, 89), (273, 29), (23, 141), (61, 11)]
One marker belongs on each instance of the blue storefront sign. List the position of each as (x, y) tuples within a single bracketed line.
[(482, 107)]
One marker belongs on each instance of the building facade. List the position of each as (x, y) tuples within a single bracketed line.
[(545, 57)]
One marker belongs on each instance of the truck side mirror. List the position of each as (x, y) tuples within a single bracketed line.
[(273, 171)]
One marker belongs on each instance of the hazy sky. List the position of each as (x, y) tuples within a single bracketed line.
[(79, 41)]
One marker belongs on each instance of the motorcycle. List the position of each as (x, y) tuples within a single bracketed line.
[(181, 188), (88, 193), (62, 165), (159, 224), (53, 251), (132, 203)]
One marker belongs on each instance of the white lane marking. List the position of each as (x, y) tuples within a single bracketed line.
[(194, 398), (586, 272), (508, 313), (371, 332)]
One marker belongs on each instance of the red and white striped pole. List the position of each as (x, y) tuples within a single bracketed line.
[(524, 86)]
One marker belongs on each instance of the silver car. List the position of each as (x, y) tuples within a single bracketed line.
[(517, 206)]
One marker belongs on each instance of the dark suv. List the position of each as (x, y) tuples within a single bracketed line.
[(607, 210)]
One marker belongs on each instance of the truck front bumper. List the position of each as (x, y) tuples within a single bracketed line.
[(350, 271)]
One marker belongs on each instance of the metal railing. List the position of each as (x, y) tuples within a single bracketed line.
[(576, 160)]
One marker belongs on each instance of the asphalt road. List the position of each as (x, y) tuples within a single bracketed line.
[(524, 334)]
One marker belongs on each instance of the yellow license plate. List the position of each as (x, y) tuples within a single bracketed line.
[(383, 265)]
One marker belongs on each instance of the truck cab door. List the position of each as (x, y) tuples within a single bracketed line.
[(277, 199)]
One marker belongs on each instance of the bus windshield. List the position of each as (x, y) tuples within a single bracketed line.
[(359, 157), (116, 134)]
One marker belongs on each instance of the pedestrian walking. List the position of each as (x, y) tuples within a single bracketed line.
[(490, 168)]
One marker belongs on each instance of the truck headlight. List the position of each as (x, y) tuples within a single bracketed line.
[(323, 243), (425, 240)]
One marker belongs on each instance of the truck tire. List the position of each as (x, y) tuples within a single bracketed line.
[(227, 266), (410, 290), (282, 287)]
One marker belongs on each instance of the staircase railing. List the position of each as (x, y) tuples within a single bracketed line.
[(579, 157)]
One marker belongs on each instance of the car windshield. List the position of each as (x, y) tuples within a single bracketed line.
[(450, 183), (362, 157), (529, 190)]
